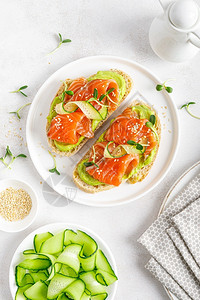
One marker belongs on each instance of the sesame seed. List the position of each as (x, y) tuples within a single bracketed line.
[(14, 204)]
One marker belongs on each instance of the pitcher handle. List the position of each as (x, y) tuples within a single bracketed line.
[(194, 39)]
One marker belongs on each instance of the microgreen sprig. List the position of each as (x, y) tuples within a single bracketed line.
[(133, 143), (150, 125), (20, 90), (187, 108), (12, 157), (17, 111), (54, 170), (160, 87), (90, 163), (71, 93), (61, 41)]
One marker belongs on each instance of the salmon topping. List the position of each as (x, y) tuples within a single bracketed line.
[(68, 128)]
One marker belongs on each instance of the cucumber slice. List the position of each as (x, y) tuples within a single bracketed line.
[(39, 239), (87, 108), (104, 274), (85, 297), (70, 237), (75, 290), (37, 291), (57, 285), (67, 271), (120, 151), (19, 275), (70, 257), (35, 264), (29, 251), (62, 297), (37, 276), (91, 283), (99, 297), (20, 292), (54, 244)]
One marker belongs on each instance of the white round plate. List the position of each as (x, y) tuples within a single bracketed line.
[(180, 183), (144, 89), (54, 228), (28, 220)]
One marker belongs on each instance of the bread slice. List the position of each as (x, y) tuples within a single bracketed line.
[(139, 176), (129, 85)]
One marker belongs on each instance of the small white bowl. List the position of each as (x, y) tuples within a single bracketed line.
[(28, 220)]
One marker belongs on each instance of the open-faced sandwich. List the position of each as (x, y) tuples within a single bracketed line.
[(125, 151), (81, 106)]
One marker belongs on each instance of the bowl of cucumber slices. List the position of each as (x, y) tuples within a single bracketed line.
[(63, 261)]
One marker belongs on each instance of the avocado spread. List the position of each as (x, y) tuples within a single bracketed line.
[(100, 75), (143, 113)]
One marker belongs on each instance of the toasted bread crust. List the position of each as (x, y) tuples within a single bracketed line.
[(129, 85), (142, 173)]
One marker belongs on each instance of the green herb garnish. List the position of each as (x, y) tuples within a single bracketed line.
[(90, 163), (71, 93), (152, 119), (160, 87), (187, 108), (20, 90), (61, 41), (54, 170), (133, 143), (95, 94), (17, 111), (151, 126), (11, 156)]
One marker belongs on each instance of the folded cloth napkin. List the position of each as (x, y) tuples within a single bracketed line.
[(183, 249), (188, 224), (161, 247), (165, 278)]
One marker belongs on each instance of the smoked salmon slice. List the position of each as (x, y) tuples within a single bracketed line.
[(69, 127), (75, 86), (110, 170)]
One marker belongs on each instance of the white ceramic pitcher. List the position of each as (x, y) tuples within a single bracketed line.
[(173, 35)]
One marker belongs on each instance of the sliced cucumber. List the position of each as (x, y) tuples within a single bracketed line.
[(85, 297), (19, 275), (35, 264), (37, 276), (104, 274), (67, 271), (70, 237), (87, 108), (54, 244), (120, 151), (58, 284), (20, 292), (70, 257), (75, 290), (37, 291), (29, 251), (91, 283), (39, 239)]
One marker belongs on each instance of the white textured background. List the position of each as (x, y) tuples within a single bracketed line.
[(27, 33)]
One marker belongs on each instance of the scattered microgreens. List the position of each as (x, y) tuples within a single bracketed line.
[(17, 111), (90, 163), (187, 108), (20, 90), (61, 41), (151, 126), (12, 157), (160, 87), (53, 170), (133, 143)]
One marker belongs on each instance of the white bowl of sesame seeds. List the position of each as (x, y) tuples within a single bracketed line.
[(18, 205)]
